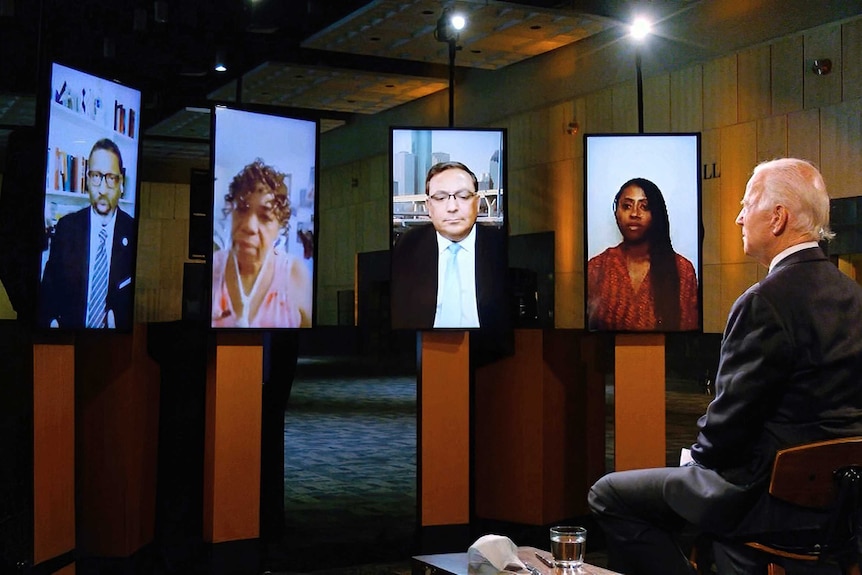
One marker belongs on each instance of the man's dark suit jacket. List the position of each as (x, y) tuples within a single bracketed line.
[(63, 294), (790, 372), (414, 278)]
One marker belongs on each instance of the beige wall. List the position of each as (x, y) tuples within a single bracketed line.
[(163, 232), (758, 103), (752, 105)]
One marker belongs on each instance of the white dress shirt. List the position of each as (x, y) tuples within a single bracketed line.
[(467, 275)]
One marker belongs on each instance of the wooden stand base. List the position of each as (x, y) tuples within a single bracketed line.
[(444, 429), (639, 401), (232, 441), (539, 429), (53, 451)]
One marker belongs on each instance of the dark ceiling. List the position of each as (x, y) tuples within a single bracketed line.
[(300, 52), (166, 48)]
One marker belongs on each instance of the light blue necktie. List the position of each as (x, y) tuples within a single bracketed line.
[(96, 303), (450, 311)]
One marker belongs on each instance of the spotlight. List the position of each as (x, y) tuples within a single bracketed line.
[(220, 62), (449, 26), (640, 28), (160, 11)]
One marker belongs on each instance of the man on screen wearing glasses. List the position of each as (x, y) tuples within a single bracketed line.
[(88, 277), (450, 273)]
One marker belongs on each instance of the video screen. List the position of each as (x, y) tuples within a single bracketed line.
[(449, 264), (643, 241), (263, 250), (91, 180)]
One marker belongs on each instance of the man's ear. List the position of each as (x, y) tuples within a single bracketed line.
[(780, 218)]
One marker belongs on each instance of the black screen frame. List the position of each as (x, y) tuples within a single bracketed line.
[(673, 162), (494, 203), (90, 106), (252, 149)]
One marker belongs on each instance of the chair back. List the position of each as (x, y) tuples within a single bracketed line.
[(808, 475)]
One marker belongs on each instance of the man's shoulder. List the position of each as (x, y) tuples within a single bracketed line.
[(811, 261), (124, 217), (82, 214), (490, 231), (799, 276), (73, 219), (415, 235)]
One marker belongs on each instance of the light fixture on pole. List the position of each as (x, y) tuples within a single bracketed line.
[(220, 61), (449, 27), (640, 29), (160, 11)]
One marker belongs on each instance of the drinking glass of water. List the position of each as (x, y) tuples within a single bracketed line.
[(567, 545)]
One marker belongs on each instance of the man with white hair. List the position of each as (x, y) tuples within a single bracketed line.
[(789, 373)]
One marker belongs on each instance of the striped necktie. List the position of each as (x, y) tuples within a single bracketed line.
[(99, 283)]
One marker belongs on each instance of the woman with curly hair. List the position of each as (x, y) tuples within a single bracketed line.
[(641, 284), (256, 283)]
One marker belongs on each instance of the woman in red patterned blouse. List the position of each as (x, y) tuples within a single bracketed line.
[(642, 284)]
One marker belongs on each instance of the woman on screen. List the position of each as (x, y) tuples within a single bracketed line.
[(256, 283), (641, 284)]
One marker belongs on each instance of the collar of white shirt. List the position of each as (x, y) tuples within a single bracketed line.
[(468, 243), (789, 251)]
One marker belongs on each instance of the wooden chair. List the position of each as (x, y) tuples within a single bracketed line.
[(822, 475)]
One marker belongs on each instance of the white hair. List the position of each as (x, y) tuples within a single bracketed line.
[(798, 185)]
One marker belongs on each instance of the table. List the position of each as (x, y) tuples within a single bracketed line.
[(456, 564)]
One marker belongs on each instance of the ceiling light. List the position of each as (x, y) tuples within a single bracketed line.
[(449, 26), (640, 28), (220, 62), (160, 11)]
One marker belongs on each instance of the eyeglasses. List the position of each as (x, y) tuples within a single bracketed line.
[(460, 195), (95, 179)]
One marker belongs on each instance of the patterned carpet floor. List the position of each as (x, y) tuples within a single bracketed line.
[(350, 466), (350, 471)]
